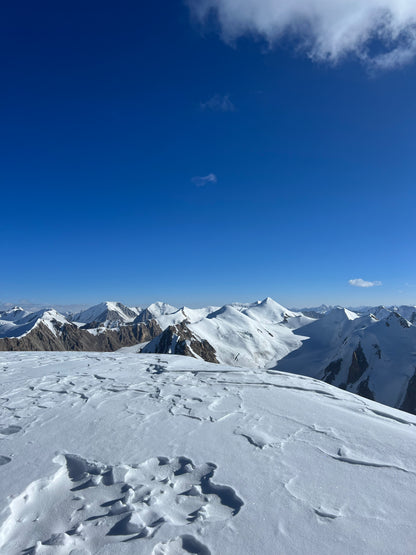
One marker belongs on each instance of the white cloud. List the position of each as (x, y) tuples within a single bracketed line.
[(382, 33), (362, 283), (201, 181), (218, 103)]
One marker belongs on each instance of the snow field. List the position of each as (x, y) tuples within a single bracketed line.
[(162, 455)]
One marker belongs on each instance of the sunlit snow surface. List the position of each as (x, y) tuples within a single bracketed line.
[(163, 455)]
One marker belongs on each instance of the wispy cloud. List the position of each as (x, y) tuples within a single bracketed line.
[(363, 283), (218, 103), (382, 33), (201, 181)]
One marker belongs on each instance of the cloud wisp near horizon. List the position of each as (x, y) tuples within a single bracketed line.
[(363, 283), (381, 33)]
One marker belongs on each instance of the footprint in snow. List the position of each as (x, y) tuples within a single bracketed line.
[(9, 430)]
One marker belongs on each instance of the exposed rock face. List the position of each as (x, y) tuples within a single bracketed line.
[(332, 370), (402, 321), (409, 403), (179, 340), (71, 338), (358, 366), (144, 316), (364, 390), (41, 338)]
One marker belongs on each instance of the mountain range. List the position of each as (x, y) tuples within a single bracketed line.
[(371, 351)]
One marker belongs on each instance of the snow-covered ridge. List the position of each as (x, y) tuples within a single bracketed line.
[(106, 313), (22, 322)]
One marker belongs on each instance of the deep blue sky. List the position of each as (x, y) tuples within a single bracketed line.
[(102, 131)]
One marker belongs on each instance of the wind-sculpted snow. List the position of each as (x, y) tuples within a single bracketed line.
[(99, 504), (165, 455)]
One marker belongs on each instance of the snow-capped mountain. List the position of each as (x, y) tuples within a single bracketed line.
[(48, 330), (13, 314), (163, 313), (408, 312), (107, 314), (255, 335), (269, 311), (17, 323), (163, 455), (375, 358), (380, 312), (160, 309)]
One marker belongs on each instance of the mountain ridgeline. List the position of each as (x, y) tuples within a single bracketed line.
[(370, 351)]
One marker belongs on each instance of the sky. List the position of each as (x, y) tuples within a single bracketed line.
[(189, 152)]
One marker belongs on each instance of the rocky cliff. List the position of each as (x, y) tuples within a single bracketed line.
[(69, 337)]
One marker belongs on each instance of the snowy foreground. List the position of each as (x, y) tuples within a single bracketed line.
[(166, 455)]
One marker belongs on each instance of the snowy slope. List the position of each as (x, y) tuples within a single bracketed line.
[(162, 455), (375, 358), (185, 313), (248, 338), (178, 315), (165, 314), (269, 311), (256, 334), (160, 309)]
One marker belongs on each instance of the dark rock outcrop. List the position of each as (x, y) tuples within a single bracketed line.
[(332, 370), (69, 337), (409, 403), (144, 316), (396, 317), (40, 338), (364, 390), (358, 366), (179, 340)]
